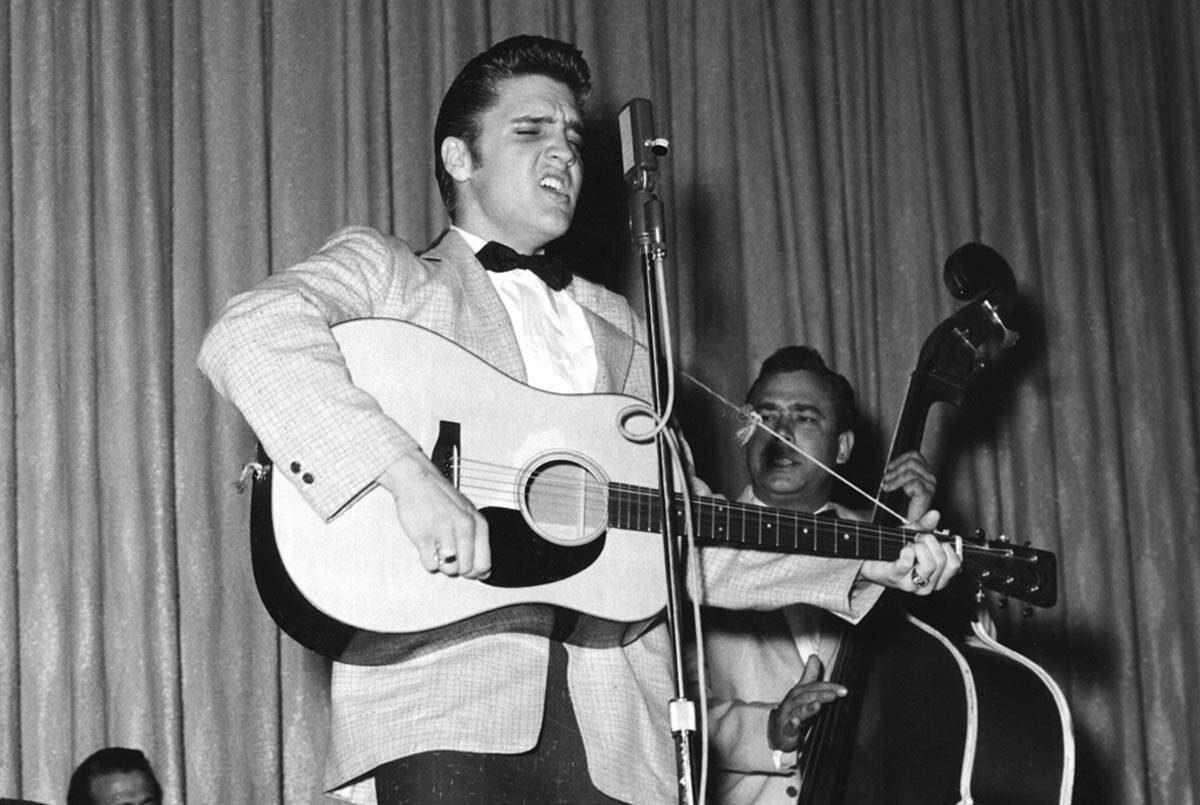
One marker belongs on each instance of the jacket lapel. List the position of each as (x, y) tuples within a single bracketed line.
[(614, 353), (483, 325), (614, 349)]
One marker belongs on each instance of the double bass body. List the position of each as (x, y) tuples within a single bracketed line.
[(955, 719)]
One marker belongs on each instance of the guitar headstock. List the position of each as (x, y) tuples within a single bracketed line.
[(1018, 571)]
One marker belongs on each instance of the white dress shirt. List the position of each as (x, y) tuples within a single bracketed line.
[(555, 340)]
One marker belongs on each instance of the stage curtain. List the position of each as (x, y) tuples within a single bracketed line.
[(826, 157)]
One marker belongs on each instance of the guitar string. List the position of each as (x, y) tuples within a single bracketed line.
[(503, 481), (496, 479), (751, 419)]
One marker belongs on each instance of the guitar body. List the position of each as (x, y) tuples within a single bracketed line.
[(354, 589), (952, 720)]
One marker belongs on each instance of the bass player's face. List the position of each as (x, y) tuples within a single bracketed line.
[(799, 407)]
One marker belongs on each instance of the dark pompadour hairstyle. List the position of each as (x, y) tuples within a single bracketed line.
[(110, 760), (806, 359), (474, 91)]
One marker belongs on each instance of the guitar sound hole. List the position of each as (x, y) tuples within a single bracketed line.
[(564, 501), (559, 530)]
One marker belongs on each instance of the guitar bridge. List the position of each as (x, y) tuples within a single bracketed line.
[(447, 449)]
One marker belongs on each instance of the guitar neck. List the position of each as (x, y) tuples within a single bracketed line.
[(1019, 571), (744, 525)]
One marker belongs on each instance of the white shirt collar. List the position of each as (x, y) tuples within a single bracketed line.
[(474, 241)]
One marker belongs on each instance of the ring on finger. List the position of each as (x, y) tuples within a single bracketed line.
[(444, 559), (918, 579)]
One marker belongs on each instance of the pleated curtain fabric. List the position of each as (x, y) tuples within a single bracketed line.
[(825, 159)]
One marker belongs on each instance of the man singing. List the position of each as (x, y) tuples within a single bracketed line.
[(503, 715)]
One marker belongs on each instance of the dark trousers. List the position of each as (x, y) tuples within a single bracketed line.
[(554, 771)]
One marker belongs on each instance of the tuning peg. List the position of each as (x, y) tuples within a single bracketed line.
[(979, 536)]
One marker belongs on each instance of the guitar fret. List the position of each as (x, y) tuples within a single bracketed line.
[(722, 522)]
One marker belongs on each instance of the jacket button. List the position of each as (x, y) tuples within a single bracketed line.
[(307, 477), (792, 792), (295, 466)]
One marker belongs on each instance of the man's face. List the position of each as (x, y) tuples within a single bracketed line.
[(124, 788), (522, 188), (799, 406)]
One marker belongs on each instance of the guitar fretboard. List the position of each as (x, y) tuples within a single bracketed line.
[(722, 522)]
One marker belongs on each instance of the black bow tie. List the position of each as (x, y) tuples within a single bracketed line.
[(498, 257)]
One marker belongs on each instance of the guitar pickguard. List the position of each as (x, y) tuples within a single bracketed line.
[(521, 558)]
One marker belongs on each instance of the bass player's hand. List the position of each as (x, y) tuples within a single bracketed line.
[(801, 703), (450, 534), (910, 472)]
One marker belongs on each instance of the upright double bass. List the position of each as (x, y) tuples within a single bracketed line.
[(941, 714)]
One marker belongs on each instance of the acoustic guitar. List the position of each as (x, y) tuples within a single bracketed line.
[(572, 510)]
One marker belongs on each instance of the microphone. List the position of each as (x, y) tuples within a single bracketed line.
[(640, 150), (640, 146)]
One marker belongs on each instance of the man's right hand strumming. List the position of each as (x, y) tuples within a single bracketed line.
[(450, 534)]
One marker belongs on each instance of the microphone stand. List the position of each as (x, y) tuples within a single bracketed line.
[(640, 149)]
